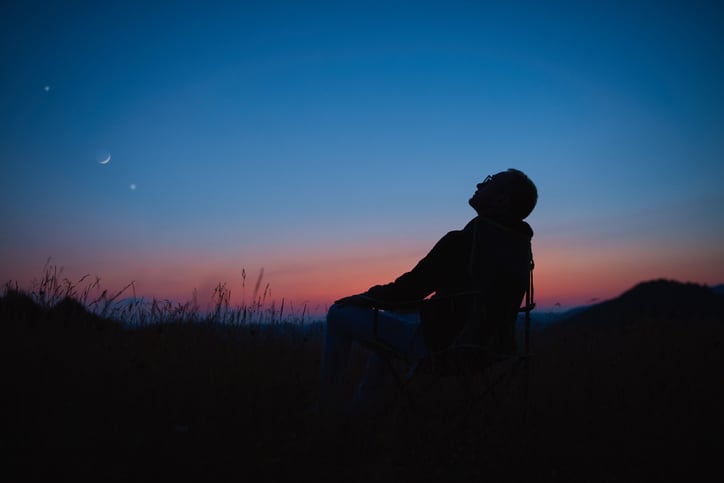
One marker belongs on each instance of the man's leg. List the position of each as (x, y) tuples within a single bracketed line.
[(347, 324), (401, 332), (338, 338)]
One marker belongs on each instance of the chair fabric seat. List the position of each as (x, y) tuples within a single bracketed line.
[(468, 351), (462, 361)]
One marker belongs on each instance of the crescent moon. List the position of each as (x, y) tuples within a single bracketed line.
[(105, 161)]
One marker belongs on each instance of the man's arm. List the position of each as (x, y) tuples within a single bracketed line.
[(424, 278)]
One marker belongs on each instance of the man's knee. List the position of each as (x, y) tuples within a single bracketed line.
[(334, 313), (342, 315)]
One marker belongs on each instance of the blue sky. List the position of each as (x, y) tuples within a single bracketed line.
[(333, 143)]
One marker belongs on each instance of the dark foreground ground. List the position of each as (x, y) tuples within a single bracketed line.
[(632, 389)]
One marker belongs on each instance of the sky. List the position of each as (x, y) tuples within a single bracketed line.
[(331, 144)]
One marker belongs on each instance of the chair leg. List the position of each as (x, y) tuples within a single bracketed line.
[(400, 383)]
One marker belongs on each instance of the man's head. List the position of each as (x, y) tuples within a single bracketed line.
[(509, 195)]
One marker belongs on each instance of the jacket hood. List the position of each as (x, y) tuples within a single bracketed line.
[(518, 227)]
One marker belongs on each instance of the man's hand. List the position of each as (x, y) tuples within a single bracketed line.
[(358, 300), (365, 300)]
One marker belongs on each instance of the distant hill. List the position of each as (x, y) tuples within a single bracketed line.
[(640, 373), (655, 299), (664, 313), (658, 300)]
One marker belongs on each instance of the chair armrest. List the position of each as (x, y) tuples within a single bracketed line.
[(527, 307), (364, 300)]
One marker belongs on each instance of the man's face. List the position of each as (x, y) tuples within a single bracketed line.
[(489, 198), (482, 193)]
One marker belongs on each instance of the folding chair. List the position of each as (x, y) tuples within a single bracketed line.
[(477, 370)]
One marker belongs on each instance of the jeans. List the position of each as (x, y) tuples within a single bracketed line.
[(348, 324)]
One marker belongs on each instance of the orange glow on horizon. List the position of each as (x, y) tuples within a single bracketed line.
[(564, 275)]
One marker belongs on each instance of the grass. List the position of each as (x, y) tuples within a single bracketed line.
[(125, 307), (226, 394)]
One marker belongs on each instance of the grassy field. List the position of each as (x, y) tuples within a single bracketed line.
[(228, 396)]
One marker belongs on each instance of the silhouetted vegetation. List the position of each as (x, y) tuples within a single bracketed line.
[(630, 388)]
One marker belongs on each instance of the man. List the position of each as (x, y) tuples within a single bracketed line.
[(483, 268)]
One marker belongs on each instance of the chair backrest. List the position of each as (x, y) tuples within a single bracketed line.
[(501, 265), (527, 307), (485, 308), (466, 356)]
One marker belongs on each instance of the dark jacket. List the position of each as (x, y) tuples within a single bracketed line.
[(487, 257)]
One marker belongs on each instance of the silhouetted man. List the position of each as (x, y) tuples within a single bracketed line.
[(488, 261)]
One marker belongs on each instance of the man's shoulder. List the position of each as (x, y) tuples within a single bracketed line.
[(453, 240), (463, 233)]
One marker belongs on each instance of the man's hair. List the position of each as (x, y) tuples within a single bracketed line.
[(524, 194)]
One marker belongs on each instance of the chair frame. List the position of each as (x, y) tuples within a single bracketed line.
[(519, 359)]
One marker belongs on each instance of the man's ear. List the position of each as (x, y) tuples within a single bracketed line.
[(502, 201)]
